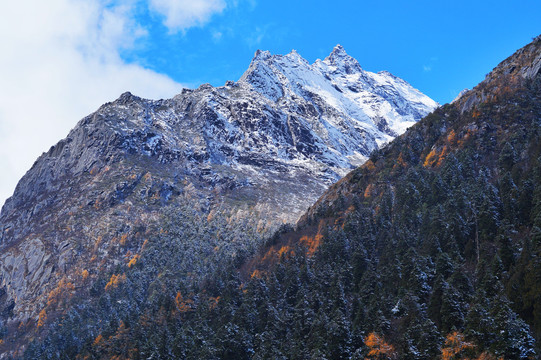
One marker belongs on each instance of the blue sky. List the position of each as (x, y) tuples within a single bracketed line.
[(62, 59), (440, 47)]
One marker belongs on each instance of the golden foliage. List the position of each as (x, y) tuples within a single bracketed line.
[(256, 274), (430, 158), (452, 137), (369, 191), (213, 302), (84, 274), (442, 155), (123, 239), (98, 242), (121, 332), (114, 281), (241, 287), (133, 261), (378, 348), (312, 243), (435, 157), (98, 340), (286, 251), (369, 165), (42, 318), (400, 162), (182, 304), (63, 289), (455, 345), (469, 133)]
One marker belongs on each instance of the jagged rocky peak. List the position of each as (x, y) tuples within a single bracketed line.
[(258, 151), (380, 104), (342, 61), (261, 55)]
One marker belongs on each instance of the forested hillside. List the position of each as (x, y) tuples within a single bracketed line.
[(431, 249), (205, 176)]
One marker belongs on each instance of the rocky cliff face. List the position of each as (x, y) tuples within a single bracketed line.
[(438, 232), (506, 78), (258, 152)]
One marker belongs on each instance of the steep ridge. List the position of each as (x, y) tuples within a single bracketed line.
[(514, 77), (439, 230), (234, 161), (429, 250), (370, 108)]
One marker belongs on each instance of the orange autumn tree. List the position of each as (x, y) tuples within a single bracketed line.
[(42, 318), (183, 305), (456, 347), (378, 348)]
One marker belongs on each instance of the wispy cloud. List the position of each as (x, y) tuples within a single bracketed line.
[(60, 60), (256, 36), (217, 36), (430, 64), (182, 14)]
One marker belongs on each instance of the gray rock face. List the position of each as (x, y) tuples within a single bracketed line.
[(523, 65), (260, 150), (24, 269)]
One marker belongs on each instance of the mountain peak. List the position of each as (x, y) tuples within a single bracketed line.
[(294, 52), (339, 49), (262, 55), (341, 60), (259, 152)]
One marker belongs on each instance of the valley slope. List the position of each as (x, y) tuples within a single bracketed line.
[(429, 250), (217, 167)]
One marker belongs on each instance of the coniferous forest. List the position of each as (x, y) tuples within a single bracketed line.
[(431, 249)]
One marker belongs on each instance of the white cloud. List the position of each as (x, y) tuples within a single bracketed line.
[(60, 60), (430, 64), (182, 14), (217, 36), (257, 35)]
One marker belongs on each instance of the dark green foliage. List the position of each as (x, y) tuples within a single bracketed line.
[(454, 246)]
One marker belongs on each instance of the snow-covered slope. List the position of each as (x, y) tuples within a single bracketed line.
[(357, 110), (279, 136), (258, 152)]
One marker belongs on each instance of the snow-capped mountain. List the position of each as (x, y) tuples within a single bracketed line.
[(356, 111), (284, 116), (141, 234), (257, 151)]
